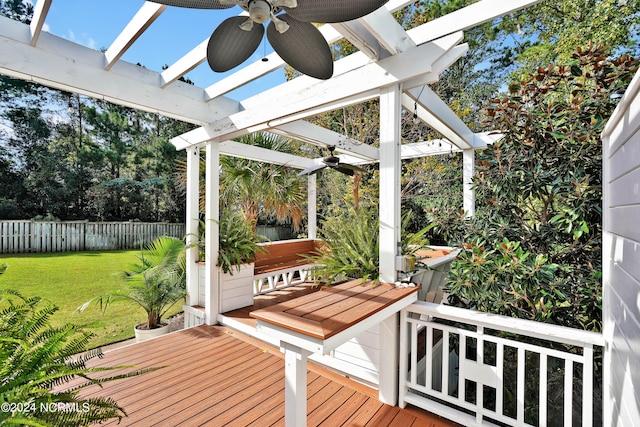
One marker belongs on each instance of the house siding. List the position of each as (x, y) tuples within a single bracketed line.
[(621, 260)]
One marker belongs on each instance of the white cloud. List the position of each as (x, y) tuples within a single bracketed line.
[(83, 39)]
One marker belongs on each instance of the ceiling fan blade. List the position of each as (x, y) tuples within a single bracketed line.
[(195, 4), (303, 47), (327, 11), (348, 169), (312, 169), (229, 45)]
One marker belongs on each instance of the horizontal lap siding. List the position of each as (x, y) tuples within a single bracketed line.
[(71, 236), (621, 260)]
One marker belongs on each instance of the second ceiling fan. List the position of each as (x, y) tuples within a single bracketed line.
[(332, 162), (291, 34)]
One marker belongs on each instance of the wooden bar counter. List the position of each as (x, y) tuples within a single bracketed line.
[(321, 321)]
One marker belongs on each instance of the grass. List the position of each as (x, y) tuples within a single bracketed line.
[(70, 279)]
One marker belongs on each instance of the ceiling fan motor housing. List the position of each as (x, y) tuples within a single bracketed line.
[(259, 11), (331, 161)]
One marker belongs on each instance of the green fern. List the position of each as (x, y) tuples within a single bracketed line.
[(38, 362)]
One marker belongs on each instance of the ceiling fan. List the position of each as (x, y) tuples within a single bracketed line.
[(291, 34), (332, 162)]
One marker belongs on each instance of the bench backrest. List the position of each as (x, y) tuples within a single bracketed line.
[(286, 251)]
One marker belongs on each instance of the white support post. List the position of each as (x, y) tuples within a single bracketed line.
[(295, 388), (468, 171), (191, 224), (312, 209), (390, 222), (390, 109), (212, 232)]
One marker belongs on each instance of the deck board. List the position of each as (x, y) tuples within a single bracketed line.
[(214, 376)]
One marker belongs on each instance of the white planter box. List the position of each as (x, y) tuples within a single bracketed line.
[(236, 291)]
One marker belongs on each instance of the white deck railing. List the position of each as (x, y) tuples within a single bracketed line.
[(513, 371)]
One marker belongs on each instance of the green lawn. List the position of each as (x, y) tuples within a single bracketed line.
[(70, 279)]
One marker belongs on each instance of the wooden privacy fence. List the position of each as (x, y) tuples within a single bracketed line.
[(73, 236)]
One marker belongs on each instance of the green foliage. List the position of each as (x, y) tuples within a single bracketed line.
[(541, 190), (352, 245), (43, 367), (18, 10), (157, 281), (507, 280), (238, 242), (549, 32), (262, 191)]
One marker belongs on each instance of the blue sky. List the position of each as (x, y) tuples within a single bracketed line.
[(96, 24)]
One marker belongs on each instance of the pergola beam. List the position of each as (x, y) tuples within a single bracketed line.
[(305, 94), (251, 152), (383, 26), (304, 131), (434, 112), (468, 17), (185, 64), (40, 12), (147, 14), (64, 65)]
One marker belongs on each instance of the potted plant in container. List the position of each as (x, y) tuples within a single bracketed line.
[(157, 282), (237, 252)]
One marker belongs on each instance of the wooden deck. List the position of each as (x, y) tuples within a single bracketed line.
[(213, 376)]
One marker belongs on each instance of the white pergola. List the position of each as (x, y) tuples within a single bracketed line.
[(392, 64)]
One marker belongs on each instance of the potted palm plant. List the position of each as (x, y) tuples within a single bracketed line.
[(157, 281)]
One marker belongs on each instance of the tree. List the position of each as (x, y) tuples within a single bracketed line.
[(540, 195), (261, 190), (549, 32), (18, 10)]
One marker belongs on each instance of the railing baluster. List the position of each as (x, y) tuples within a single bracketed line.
[(462, 366), (414, 352), (405, 329), (500, 374), (520, 385), (543, 391), (444, 373), (479, 361), (568, 392), (428, 381), (587, 386)]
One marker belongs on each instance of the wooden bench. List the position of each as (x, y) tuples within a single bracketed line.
[(283, 264)]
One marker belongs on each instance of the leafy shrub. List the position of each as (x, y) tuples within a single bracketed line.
[(506, 280), (541, 186)]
